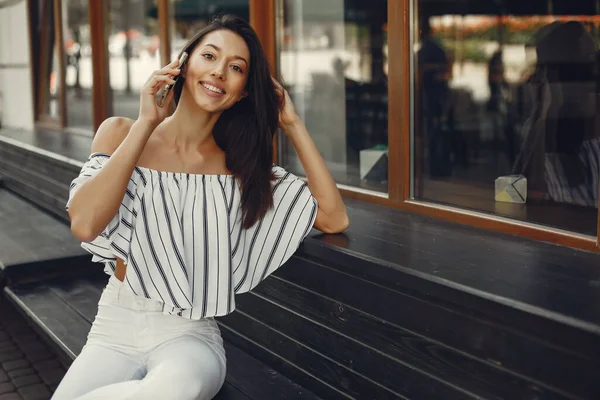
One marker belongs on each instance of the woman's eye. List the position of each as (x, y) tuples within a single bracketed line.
[(236, 68), (208, 56)]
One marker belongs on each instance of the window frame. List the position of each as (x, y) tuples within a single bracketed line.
[(263, 18), (39, 57)]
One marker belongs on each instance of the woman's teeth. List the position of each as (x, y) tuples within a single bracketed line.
[(212, 88)]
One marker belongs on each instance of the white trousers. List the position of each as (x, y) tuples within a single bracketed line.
[(133, 351)]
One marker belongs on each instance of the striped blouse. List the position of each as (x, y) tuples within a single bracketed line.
[(182, 239)]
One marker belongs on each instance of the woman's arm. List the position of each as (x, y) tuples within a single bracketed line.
[(331, 216), (98, 199)]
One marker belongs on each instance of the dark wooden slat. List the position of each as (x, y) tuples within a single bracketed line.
[(229, 392), (461, 329), (42, 272), (400, 377), (80, 295), (329, 371), (258, 381), (28, 235), (274, 360), (398, 345), (62, 173), (75, 147), (44, 183), (38, 198), (65, 328)]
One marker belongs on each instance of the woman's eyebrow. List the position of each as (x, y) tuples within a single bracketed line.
[(217, 48)]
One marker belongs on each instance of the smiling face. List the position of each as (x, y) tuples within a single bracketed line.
[(217, 71)]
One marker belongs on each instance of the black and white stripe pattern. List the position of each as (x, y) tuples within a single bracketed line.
[(561, 189), (182, 239)]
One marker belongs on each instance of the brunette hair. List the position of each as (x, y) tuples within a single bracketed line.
[(245, 131)]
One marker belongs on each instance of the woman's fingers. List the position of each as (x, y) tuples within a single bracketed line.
[(160, 80), (168, 72), (163, 78), (277, 84), (172, 65), (169, 69)]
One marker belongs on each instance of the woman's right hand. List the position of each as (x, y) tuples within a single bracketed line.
[(149, 110)]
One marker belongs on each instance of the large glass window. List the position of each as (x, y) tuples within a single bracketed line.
[(333, 62), (506, 109), (78, 64), (133, 49), (187, 17)]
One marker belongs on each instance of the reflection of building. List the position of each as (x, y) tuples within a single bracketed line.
[(426, 131)]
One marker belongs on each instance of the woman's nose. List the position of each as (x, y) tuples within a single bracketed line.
[(218, 73)]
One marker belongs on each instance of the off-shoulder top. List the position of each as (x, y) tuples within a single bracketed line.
[(182, 239)]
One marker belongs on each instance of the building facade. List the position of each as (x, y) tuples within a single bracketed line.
[(480, 112)]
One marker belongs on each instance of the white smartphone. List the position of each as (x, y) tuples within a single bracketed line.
[(164, 92)]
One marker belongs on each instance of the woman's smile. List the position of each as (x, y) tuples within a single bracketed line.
[(212, 90)]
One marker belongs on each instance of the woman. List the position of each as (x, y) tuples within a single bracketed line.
[(560, 153), (186, 211)]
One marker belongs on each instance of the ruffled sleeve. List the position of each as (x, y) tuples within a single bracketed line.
[(114, 240), (275, 238)]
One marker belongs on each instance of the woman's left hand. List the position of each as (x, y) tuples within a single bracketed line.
[(288, 116), (331, 215)]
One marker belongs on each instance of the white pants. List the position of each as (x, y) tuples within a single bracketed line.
[(133, 351)]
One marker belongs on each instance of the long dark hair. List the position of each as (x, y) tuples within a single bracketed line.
[(245, 131)]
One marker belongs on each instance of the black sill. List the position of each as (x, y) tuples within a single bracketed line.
[(390, 245)]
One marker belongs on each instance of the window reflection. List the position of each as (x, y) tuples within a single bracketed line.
[(498, 96), (78, 64), (133, 47), (332, 60)]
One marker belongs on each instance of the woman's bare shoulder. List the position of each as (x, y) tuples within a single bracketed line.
[(111, 134)]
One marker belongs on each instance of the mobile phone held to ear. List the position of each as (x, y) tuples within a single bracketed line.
[(164, 92)]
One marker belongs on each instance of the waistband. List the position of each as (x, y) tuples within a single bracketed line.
[(116, 293)]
